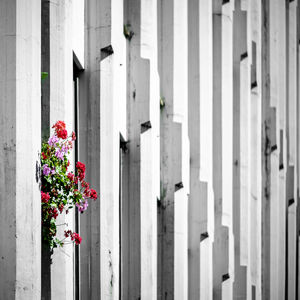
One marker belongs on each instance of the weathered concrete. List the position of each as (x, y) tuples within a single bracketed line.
[(20, 123), (97, 36), (214, 219), (240, 54), (220, 245)]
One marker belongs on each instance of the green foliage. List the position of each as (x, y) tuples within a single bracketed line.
[(44, 75), (162, 102), (127, 32), (61, 190)]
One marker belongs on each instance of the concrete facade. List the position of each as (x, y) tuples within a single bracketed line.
[(188, 119)]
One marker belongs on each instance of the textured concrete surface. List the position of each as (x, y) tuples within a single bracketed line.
[(20, 121), (189, 128)]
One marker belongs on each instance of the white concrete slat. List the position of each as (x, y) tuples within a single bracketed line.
[(148, 219), (78, 30), (61, 101), (206, 108), (206, 269), (256, 97), (282, 145), (227, 137), (118, 42), (245, 163), (292, 83), (109, 182), (180, 245)]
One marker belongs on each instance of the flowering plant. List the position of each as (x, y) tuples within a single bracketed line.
[(61, 190)]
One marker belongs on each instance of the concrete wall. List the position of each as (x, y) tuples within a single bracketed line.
[(189, 128), (20, 123)]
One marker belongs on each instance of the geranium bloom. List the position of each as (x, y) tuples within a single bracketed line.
[(81, 170), (63, 134), (73, 136), (53, 140), (59, 154), (44, 155), (75, 236), (53, 212), (71, 176), (80, 167), (59, 125), (60, 207), (61, 192), (45, 197), (93, 194), (46, 170), (82, 206)]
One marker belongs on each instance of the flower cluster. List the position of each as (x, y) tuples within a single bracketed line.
[(62, 190)]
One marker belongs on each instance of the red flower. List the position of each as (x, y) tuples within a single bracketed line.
[(87, 192), (45, 197), (81, 176), (80, 167), (85, 184), (71, 176), (73, 136), (59, 125), (63, 134), (53, 212), (44, 155), (68, 233), (75, 236), (81, 170), (93, 194), (60, 207)]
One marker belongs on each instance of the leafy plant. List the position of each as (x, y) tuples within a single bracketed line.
[(61, 190), (127, 32), (44, 75)]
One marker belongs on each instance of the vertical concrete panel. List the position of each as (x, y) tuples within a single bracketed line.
[(118, 42), (150, 164), (292, 146), (206, 146), (138, 99), (282, 144), (170, 151), (20, 125), (194, 210), (256, 94), (227, 138), (78, 29), (97, 37), (180, 245), (27, 145), (148, 220), (109, 183), (245, 114), (220, 245), (292, 80), (268, 140), (180, 115), (240, 55), (61, 101)]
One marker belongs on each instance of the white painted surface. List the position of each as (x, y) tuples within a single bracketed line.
[(109, 183), (61, 101), (78, 29), (180, 245), (148, 220), (27, 146), (227, 138)]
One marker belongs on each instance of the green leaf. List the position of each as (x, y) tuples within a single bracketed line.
[(44, 75)]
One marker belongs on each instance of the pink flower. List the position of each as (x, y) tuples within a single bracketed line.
[(46, 170)]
